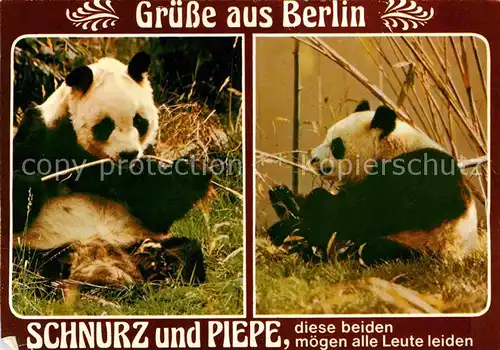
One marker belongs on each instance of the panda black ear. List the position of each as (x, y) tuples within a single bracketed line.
[(363, 106), (80, 78), (138, 65), (384, 119)]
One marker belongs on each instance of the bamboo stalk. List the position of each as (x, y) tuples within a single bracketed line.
[(462, 164), (449, 81), (448, 88), (325, 49), (320, 46), (470, 94), (461, 59), (469, 163), (285, 161), (431, 98), (401, 56), (438, 124), (443, 61), (444, 89), (296, 114), (102, 161), (76, 168), (230, 190), (386, 76), (479, 66), (403, 86)]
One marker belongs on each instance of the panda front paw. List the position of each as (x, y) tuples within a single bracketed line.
[(284, 202)]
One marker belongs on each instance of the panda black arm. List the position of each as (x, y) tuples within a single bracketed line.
[(322, 214), (29, 139), (158, 195), (29, 193)]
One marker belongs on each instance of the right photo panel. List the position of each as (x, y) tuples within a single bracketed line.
[(372, 175)]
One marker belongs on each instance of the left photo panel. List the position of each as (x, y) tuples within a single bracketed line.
[(127, 176)]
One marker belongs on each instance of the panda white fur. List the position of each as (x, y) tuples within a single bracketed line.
[(400, 193), (108, 224)]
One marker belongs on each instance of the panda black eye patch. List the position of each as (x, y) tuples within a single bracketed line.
[(103, 129), (141, 125), (338, 148)]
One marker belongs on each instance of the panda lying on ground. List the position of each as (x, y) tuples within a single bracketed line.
[(403, 195), (107, 224)]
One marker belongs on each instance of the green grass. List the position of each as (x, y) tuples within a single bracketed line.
[(221, 236), (286, 284)]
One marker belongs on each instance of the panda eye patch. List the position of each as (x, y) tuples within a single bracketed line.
[(338, 148), (103, 129), (141, 125)]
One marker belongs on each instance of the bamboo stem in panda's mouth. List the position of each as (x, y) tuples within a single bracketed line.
[(462, 165), (70, 170), (285, 161)]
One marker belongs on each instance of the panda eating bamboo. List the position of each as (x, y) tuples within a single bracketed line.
[(401, 194), (108, 224)]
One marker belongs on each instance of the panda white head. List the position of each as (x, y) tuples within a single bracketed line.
[(354, 144), (111, 107)]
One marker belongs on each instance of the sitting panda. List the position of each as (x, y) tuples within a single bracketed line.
[(106, 224), (400, 194)]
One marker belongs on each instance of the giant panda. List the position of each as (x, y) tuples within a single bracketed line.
[(106, 224), (403, 197)]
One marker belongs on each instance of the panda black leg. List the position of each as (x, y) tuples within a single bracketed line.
[(378, 250), (176, 258), (279, 231)]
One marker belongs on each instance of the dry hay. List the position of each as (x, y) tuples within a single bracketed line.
[(188, 129)]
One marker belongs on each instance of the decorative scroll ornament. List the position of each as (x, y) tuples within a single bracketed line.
[(96, 14), (406, 14)]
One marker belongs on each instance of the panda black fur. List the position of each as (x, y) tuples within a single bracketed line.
[(412, 200), (103, 229)]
